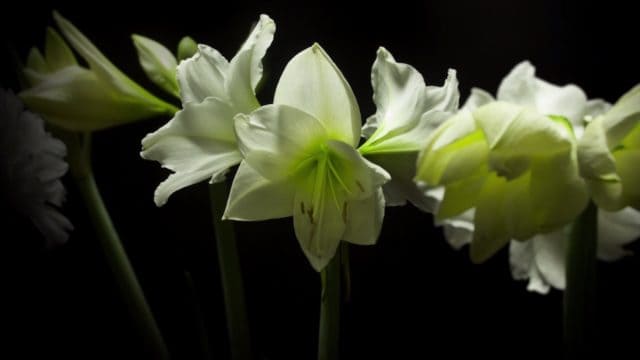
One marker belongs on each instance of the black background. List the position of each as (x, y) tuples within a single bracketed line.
[(412, 296)]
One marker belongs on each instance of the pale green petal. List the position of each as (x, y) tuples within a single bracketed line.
[(461, 195), (57, 53), (616, 229), (504, 211), (158, 63), (74, 98), (245, 69), (597, 166), (477, 98), (108, 74), (36, 62), (628, 165), (313, 83), (319, 219), (364, 219), (198, 143), (558, 192), (203, 75), (623, 117), (443, 144), (276, 139), (516, 134), (254, 197)]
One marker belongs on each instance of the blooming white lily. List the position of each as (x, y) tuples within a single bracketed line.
[(407, 112), (301, 161), (80, 99), (541, 259), (200, 142), (31, 166)]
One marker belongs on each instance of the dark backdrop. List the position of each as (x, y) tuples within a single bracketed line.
[(412, 296)]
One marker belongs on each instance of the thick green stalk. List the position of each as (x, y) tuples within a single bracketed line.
[(329, 332), (115, 255), (231, 275), (579, 295)]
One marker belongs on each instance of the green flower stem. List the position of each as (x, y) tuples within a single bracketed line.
[(116, 257), (198, 317), (579, 295), (329, 333), (231, 276)]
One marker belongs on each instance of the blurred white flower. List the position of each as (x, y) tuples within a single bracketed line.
[(541, 259), (31, 166)]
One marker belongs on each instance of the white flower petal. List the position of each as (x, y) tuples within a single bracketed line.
[(313, 83), (197, 143), (616, 229), (203, 75), (477, 98), (245, 69), (253, 197), (364, 219), (521, 87), (458, 230), (541, 260), (402, 99)]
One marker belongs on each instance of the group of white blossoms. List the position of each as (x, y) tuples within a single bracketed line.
[(516, 169)]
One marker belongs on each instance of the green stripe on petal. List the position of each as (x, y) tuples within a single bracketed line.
[(276, 139), (318, 218)]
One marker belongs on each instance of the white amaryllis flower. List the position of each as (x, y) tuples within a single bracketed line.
[(541, 259), (31, 166), (301, 161), (83, 99), (199, 142), (516, 167), (407, 112)]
